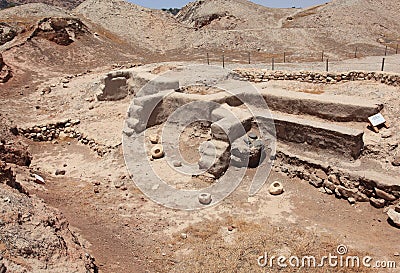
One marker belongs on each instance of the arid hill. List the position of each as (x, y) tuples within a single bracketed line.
[(227, 14), (37, 39), (68, 4), (119, 28), (155, 30), (350, 23), (241, 26), (237, 27)]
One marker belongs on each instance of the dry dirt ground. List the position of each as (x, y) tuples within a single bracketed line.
[(126, 232), (116, 223)]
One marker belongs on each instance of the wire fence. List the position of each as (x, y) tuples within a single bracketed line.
[(358, 60)]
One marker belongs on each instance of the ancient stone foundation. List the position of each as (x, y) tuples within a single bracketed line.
[(258, 75)]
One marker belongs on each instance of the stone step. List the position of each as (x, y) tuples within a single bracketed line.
[(298, 129), (322, 135), (331, 107)]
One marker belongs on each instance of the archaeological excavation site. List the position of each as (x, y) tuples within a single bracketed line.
[(221, 136)]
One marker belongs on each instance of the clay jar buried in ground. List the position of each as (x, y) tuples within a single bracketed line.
[(276, 188), (157, 151)]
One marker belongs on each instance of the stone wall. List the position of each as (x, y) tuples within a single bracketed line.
[(259, 75), (113, 86), (355, 187), (63, 131)]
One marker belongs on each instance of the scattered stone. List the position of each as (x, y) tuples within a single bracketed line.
[(329, 185), (39, 179), (377, 203), (231, 228), (394, 217), (351, 200), (315, 181), (252, 135), (337, 193), (60, 172), (96, 190), (397, 208), (46, 90), (276, 188), (118, 184), (63, 136), (386, 134), (333, 178), (153, 138), (321, 174), (384, 195), (75, 122), (328, 191), (345, 192), (183, 235), (177, 163), (396, 161), (205, 198), (3, 268)]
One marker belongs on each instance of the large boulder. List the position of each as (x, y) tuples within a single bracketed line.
[(7, 33), (5, 71), (62, 31)]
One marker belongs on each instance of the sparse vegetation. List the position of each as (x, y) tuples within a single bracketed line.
[(5, 4), (173, 11)]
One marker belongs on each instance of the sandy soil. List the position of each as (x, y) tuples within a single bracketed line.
[(119, 225)]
